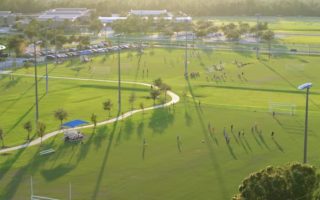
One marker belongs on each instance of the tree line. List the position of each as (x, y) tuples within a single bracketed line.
[(194, 8)]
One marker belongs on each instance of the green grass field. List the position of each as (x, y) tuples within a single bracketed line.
[(111, 163)]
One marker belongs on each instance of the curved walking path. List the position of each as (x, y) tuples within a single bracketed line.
[(174, 99)]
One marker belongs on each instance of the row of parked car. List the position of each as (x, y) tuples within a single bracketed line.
[(89, 50)]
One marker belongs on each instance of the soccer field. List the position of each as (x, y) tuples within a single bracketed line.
[(141, 157)]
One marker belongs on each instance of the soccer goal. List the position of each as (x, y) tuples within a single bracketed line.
[(38, 197), (282, 108)]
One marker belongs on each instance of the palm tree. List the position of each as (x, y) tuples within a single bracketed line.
[(132, 99), (94, 120), (268, 36), (107, 105), (41, 129), (61, 115), (154, 95), (1, 136), (28, 127)]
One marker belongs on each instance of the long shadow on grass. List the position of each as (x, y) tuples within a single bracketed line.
[(19, 120), (243, 145), (106, 87), (16, 100), (11, 187), (277, 144), (247, 143), (263, 141), (212, 156), (57, 172), (256, 139), (104, 161), (160, 120), (256, 89), (290, 83)]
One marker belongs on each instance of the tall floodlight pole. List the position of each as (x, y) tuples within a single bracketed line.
[(119, 75), (55, 38), (302, 87), (257, 39), (186, 56), (46, 60), (36, 79)]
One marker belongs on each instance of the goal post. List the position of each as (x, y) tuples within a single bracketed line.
[(282, 108)]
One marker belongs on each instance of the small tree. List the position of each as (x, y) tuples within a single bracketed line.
[(1, 136), (132, 99), (41, 129), (28, 127), (142, 107), (61, 115), (292, 181), (268, 36), (164, 87), (107, 106), (94, 120), (154, 95), (157, 82)]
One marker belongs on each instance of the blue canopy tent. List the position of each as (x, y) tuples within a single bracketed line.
[(74, 123), (71, 134)]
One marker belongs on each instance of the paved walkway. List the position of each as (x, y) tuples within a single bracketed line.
[(174, 99)]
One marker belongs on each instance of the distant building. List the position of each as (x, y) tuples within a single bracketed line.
[(108, 20), (183, 19), (7, 18), (146, 13), (62, 14)]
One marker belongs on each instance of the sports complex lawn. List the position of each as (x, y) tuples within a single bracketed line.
[(113, 162)]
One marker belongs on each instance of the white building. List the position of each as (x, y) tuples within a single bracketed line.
[(146, 13), (7, 18), (108, 20), (183, 19), (61, 14)]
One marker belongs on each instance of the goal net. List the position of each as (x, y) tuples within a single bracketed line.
[(282, 108)]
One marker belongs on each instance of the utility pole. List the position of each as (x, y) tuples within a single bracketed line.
[(46, 60), (306, 128), (119, 76), (36, 79), (305, 148), (186, 56)]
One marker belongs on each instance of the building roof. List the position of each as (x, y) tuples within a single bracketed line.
[(5, 13), (111, 19), (148, 12), (183, 19), (61, 14)]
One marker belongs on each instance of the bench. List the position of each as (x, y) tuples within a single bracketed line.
[(48, 151)]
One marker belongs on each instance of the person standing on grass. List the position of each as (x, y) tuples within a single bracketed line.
[(239, 133), (273, 114), (231, 127), (272, 133)]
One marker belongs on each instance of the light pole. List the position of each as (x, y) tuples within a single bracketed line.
[(46, 60), (36, 79), (186, 55), (119, 75), (302, 87)]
